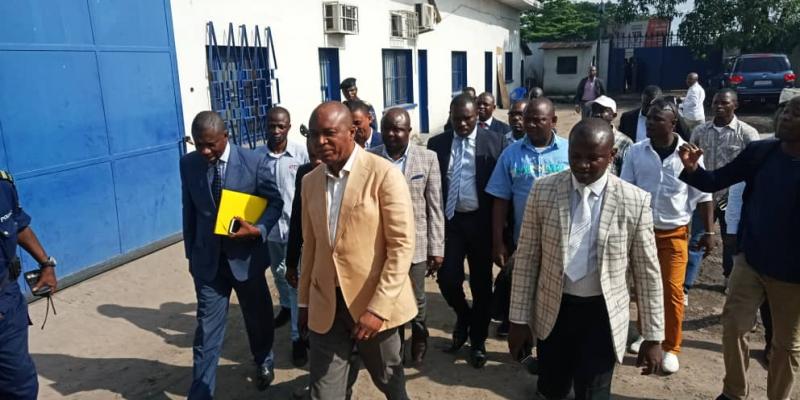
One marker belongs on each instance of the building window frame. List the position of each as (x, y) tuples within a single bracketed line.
[(508, 65), (566, 65), (398, 77), (458, 68)]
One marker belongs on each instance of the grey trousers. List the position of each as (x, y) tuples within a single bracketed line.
[(417, 273), (330, 359)]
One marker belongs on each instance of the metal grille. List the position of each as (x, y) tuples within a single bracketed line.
[(242, 81), (637, 40)]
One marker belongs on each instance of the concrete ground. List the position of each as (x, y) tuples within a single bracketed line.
[(127, 334)]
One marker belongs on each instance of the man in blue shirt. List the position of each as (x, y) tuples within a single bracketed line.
[(540, 152), (767, 263), (282, 160)]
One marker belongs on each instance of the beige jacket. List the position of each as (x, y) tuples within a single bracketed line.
[(372, 250)]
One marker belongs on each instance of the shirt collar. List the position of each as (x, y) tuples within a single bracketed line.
[(289, 151), (731, 125), (597, 187), (348, 166), (225, 154), (553, 141), (386, 155), (648, 143), (471, 137), (488, 122)]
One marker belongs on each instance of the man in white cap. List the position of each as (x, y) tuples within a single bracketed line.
[(605, 108)]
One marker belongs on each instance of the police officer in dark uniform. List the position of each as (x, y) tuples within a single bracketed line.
[(350, 92), (17, 373)]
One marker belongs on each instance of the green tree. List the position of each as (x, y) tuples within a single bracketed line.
[(749, 25), (558, 20)]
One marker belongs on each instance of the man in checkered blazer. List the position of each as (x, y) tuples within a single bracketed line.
[(421, 170), (581, 231)]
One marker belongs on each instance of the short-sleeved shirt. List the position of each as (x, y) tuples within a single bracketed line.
[(519, 166), (12, 220)]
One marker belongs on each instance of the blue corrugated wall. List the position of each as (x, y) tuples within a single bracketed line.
[(90, 124)]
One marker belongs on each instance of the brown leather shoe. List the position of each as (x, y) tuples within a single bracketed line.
[(419, 346)]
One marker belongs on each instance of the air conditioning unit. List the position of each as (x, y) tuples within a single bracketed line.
[(403, 24), (426, 16), (340, 18)]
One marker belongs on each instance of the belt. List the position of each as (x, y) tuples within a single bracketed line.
[(572, 299)]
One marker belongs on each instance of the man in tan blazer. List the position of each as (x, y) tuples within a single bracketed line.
[(421, 169), (581, 231), (358, 233)]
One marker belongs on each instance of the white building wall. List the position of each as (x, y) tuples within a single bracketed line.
[(474, 26), (560, 84)]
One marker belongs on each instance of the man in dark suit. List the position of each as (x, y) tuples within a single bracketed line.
[(589, 88), (366, 136), (486, 107), (350, 92), (467, 156), (633, 123), (219, 264)]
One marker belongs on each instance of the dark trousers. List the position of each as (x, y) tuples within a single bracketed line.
[(466, 236), (212, 311), (578, 352), (18, 378)]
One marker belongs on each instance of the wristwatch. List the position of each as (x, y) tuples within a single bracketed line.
[(50, 262)]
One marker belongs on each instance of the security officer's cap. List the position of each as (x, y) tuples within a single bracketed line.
[(348, 83)]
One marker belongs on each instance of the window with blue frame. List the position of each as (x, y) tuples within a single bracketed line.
[(459, 70), (509, 66), (398, 78)]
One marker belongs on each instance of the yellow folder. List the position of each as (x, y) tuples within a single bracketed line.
[(237, 204)]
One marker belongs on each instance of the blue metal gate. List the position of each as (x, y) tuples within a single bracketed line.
[(91, 126), (659, 59)]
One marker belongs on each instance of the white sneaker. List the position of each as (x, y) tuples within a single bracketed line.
[(670, 363), (686, 299), (634, 347)]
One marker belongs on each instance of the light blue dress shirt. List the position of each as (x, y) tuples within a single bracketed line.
[(519, 166), (468, 191), (400, 162), (282, 168)]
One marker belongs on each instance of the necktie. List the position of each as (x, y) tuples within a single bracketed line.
[(455, 179), (216, 183), (579, 237), (482, 125)]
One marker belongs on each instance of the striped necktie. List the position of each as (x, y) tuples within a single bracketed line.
[(455, 179), (216, 184)]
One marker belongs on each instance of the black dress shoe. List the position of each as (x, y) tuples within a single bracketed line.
[(460, 336), (284, 316), (502, 329), (477, 356), (419, 346), (264, 377), (299, 353)]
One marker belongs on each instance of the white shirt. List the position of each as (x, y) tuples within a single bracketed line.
[(223, 164), (692, 106), (672, 200), (335, 185), (641, 128), (589, 285)]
